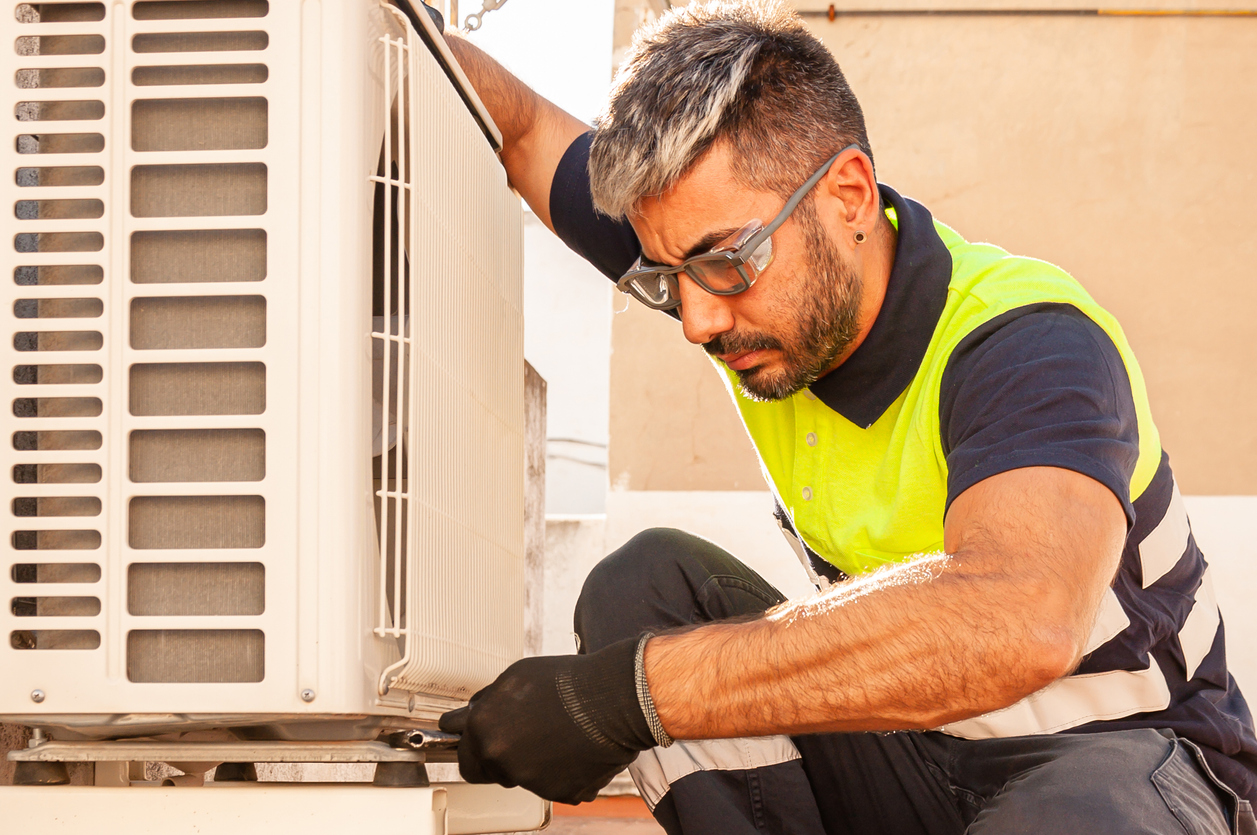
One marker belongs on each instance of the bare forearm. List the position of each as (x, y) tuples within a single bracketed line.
[(915, 645), (535, 131), (868, 656)]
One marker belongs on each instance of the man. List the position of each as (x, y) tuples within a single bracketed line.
[(1015, 630)]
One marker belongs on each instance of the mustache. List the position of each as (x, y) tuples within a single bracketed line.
[(733, 342)]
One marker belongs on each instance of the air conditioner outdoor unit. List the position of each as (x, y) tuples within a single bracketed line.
[(265, 371)]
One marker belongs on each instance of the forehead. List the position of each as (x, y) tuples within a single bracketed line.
[(706, 201)]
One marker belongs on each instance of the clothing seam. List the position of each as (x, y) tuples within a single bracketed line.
[(1130, 481), (1170, 804), (755, 792), (725, 581), (1041, 306)]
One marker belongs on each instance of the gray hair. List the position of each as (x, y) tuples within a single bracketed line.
[(748, 73)]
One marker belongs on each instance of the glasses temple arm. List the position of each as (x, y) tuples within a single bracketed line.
[(759, 237)]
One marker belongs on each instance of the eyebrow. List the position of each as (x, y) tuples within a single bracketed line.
[(704, 244), (709, 240)]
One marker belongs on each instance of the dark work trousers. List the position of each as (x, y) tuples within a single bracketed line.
[(904, 783)]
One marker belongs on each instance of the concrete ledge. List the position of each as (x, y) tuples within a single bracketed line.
[(267, 808)]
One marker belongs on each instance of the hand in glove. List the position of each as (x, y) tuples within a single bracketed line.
[(560, 726)]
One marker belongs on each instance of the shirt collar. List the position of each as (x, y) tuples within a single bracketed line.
[(876, 373)]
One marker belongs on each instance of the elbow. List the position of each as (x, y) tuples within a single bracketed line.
[(1056, 655), (1051, 639), (1030, 665), (1050, 655), (1003, 679)]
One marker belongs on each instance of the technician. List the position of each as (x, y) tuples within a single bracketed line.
[(1014, 629)]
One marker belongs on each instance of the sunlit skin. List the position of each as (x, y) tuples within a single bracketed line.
[(1007, 608), (708, 204)]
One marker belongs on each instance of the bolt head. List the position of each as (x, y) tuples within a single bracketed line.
[(307, 695), (37, 696)]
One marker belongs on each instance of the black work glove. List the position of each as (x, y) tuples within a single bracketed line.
[(560, 726)]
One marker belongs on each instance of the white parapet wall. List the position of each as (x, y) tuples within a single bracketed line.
[(265, 808), (740, 521), (574, 545)]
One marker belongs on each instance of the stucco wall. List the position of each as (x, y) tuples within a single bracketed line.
[(1117, 147)]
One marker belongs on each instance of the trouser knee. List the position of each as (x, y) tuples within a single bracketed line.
[(661, 579)]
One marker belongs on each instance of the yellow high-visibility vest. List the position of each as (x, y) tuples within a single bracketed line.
[(861, 497)]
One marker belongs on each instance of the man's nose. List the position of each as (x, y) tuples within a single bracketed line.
[(704, 316)]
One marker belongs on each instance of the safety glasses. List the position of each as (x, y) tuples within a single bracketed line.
[(728, 268)]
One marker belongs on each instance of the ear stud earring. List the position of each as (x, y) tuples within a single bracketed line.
[(860, 237)]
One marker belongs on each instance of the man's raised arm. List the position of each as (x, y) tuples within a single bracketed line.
[(535, 131)]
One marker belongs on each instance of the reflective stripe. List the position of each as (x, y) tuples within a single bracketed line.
[(796, 543), (655, 771), (1201, 627), (1164, 547), (1110, 621), (1072, 701)]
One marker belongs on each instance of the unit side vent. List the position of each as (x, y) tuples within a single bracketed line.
[(448, 388)]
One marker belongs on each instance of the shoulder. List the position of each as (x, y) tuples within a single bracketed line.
[(1039, 385), (1027, 354), (610, 245)]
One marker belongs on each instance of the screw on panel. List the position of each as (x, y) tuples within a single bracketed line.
[(37, 696), (307, 695)]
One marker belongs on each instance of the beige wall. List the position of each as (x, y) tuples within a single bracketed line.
[(1118, 147)]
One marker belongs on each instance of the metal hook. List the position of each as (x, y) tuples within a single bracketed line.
[(472, 22)]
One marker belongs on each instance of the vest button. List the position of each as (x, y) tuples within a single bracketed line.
[(807, 494), (811, 439)]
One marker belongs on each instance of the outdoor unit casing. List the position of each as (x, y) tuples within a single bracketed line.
[(265, 372)]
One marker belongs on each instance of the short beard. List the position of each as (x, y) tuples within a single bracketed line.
[(825, 309)]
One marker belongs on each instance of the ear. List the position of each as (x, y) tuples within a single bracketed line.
[(852, 191)]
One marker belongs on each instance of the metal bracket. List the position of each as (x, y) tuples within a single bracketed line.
[(245, 751)]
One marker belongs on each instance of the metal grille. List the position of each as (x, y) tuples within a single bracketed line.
[(57, 391), (449, 425), (140, 371), (200, 142), (393, 346)]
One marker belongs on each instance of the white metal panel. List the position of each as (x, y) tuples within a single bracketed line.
[(325, 118)]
